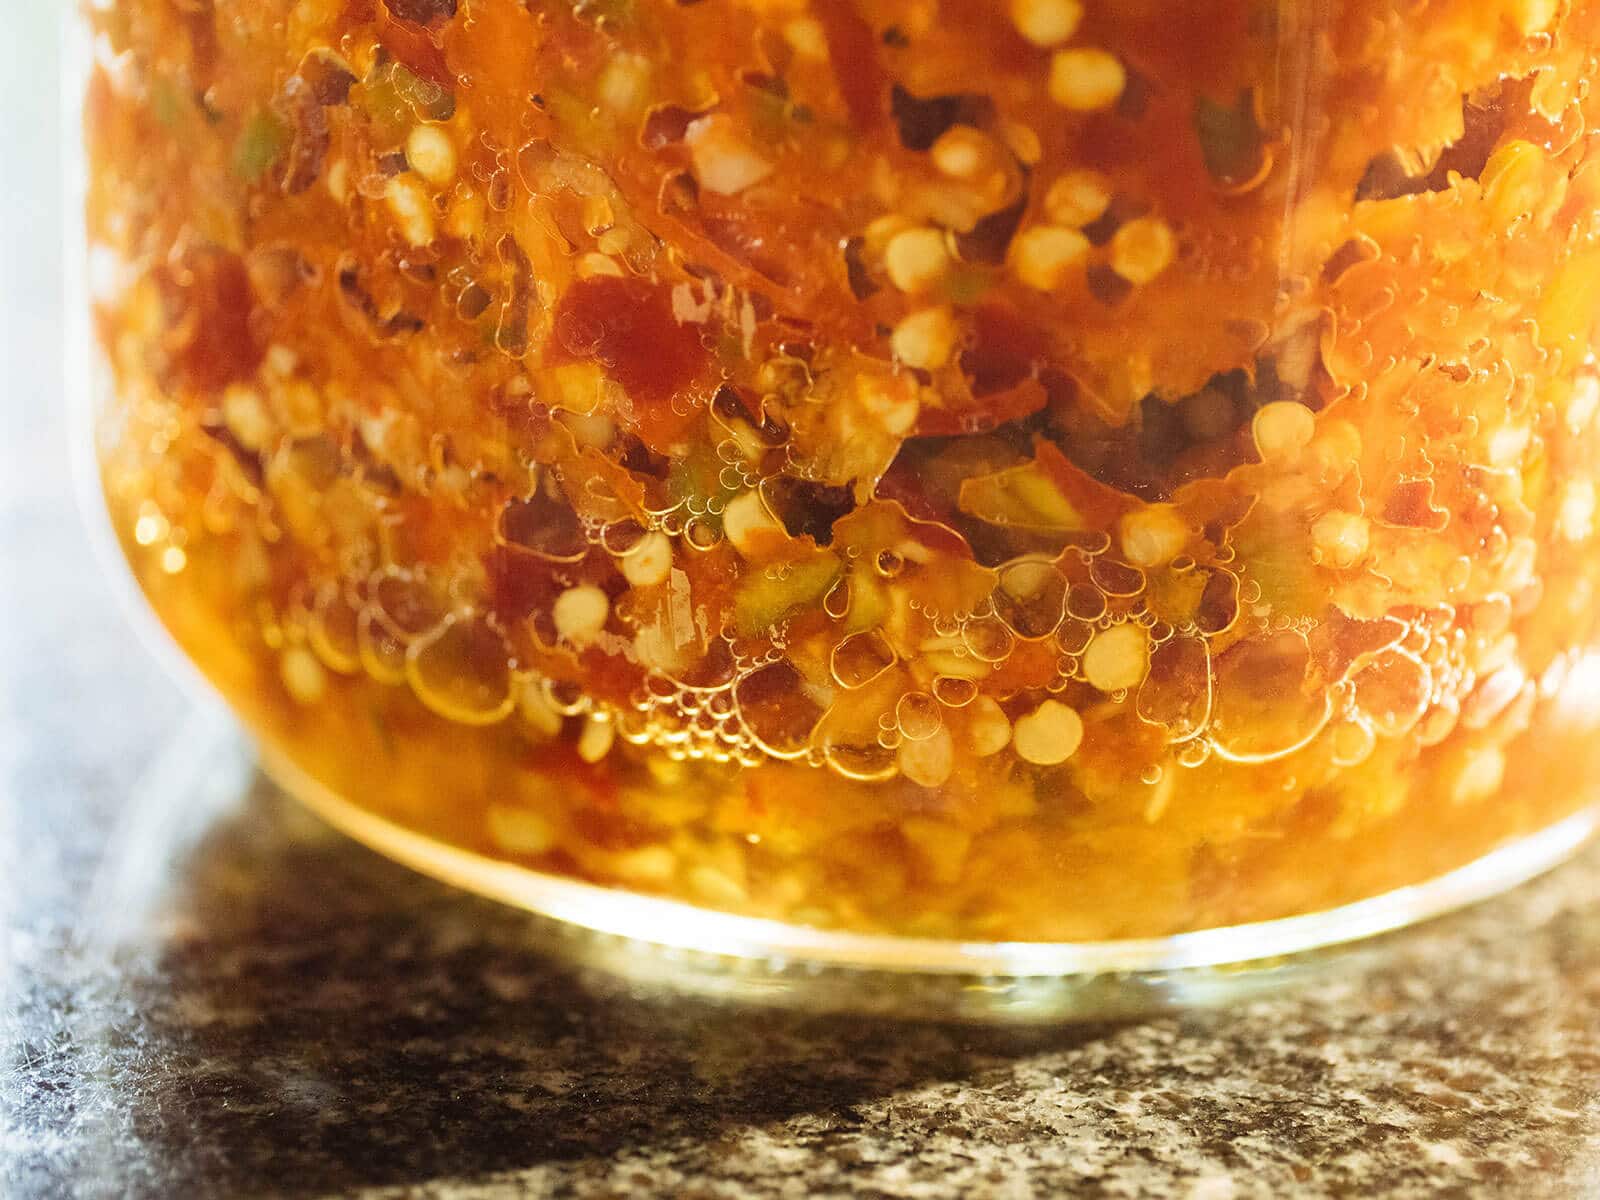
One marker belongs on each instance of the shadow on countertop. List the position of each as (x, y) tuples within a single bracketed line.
[(294, 1015), (301, 1013)]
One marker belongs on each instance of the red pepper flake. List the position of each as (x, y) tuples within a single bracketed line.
[(1099, 505), (417, 51), (987, 412), (1411, 506), (853, 50), (520, 583), (222, 349), (627, 326), (1006, 348), (430, 14), (410, 43)]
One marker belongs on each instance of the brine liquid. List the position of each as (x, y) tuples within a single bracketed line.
[(1036, 470)]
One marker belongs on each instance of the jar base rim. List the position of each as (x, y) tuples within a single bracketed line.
[(676, 943)]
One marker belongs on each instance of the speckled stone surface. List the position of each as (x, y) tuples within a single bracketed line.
[(209, 993)]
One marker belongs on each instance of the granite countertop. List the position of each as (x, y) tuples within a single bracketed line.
[(208, 992)]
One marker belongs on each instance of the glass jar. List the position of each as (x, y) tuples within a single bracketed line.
[(938, 483)]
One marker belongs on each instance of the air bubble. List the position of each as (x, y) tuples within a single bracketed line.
[(566, 697), (1030, 598), (634, 726), (1074, 636), (837, 602), (987, 639), (1115, 578), (918, 716), (1085, 603), (1392, 692), (1176, 693), (1352, 741), (1266, 705), (622, 538), (776, 711), (954, 691), (333, 630), (407, 604), (382, 649), (868, 764), (702, 534), (860, 659), (462, 671)]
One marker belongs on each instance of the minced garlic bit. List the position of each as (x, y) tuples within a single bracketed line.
[(519, 830), (1046, 23), (1575, 517), (594, 743), (725, 161), (1153, 535), (880, 231), (1480, 775), (304, 678), (537, 710), (246, 416), (988, 729), (594, 264), (1045, 256), (412, 208), (1050, 734), (1282, 429), (431, 154), (930, 760), (892, 404), (917, 259), (580, 614), (1515, 181), (749, 526), (926, 339), (806, 37), (1086, 79), (466, 216), (965, 153), (624, 84), (1023, 141), (1142, 249), (1117, 658), (338, 181), (648, 563), (1077, 198), (1339, 538)]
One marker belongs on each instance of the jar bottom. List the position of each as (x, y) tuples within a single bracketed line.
[(667, 943)]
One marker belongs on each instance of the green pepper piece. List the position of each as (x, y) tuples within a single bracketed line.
[(264, 139), (763, 600), (1021, 497)]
